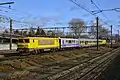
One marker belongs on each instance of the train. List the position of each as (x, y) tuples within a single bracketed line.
[(40, 44)]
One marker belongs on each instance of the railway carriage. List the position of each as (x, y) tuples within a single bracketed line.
[(68, 42), (90, 42), (37, 43)]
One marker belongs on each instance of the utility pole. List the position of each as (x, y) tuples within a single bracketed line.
[(63, 32), (118, 35), (4, 3), (10, 33), (111, 36), (97, 25)]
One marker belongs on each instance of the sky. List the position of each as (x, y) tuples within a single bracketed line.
[(58, 12)]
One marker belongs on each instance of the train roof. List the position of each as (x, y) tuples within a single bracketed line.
[(34, 37), (59, 38), (88, 39), (69, 38)]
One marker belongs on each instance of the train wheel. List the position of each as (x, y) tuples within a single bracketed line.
[(35, 51), (56, 49), (38, 51), (31, 52), (53, 50)]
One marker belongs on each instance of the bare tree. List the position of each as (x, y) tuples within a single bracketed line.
[(31, 32), (51, 33), (6, 31), (40, 32), (77, 26), (25, 33), (69, 34), (103, 32), (16, 32), (59, 33)]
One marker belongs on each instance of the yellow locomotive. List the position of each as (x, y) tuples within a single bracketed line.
[(31, 43)]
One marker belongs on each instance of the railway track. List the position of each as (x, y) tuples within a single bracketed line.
[(9, 53), (98, 67), (88, 70), (33, 68)]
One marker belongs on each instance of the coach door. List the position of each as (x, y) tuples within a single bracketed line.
[(60, 42), (86, 42)]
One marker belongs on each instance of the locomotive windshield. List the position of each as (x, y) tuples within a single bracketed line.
[(23, 40)]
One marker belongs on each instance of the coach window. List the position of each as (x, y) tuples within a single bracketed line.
[(86, 42), (33, 40), (74, 41), (80, 41), (66, 41), (70, 41)]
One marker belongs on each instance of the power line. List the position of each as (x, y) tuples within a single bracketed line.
[(79, 5), (3, 3), (90, 12), (99, 11), (8, 19), (7, 7), (18, 11), (98, 8)]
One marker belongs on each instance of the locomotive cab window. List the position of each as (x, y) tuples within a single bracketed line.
[(26, 40), (23, 40)]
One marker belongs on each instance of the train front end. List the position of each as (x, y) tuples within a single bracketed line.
[(23, 45)]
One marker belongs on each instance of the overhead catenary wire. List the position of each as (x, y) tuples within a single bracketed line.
[(102, 10), (21, 12), (99, 9), (17, 21), (4, 3), (8, 18), (87, 10), (79, 5), (73, 1)]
